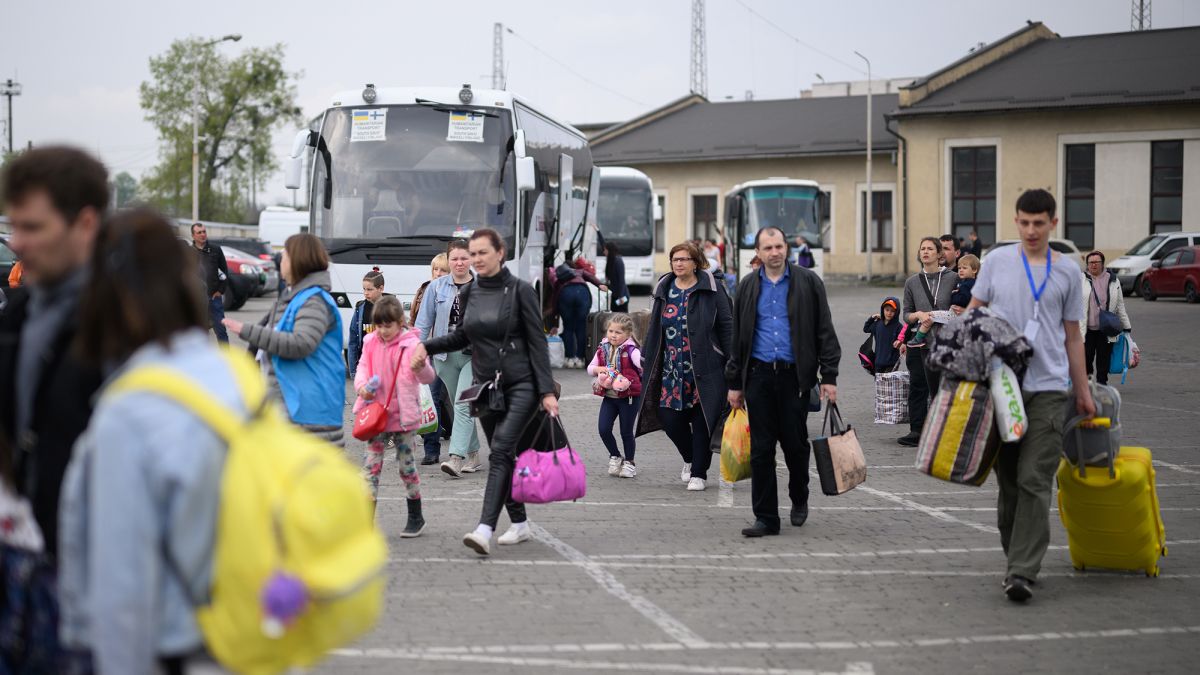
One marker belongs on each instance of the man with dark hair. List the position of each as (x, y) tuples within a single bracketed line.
[(974, 245), (783, 337), (950, 252), (1039, 292), (215, 273), (56, 198)]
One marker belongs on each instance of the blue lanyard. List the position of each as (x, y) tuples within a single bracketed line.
[(1038, 290)]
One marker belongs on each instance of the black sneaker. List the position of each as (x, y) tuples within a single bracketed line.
[(1017, 588), (799, 515), (428, 460), (909, 440), (759, 529)]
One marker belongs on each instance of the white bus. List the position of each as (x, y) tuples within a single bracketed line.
[(277, 223), (625, 215), (398, 172), (794, 206)]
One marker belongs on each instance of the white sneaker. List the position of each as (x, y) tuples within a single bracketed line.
[(477, 543), (686, 474), (696, 485), (515, 535), (471, 464), (453, 466), (628, 470), (614, 466)]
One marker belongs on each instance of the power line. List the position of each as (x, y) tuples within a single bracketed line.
[(571, 70), (797, 40)]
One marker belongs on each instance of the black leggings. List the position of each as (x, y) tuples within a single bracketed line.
[(1097, 351), (503, 432), (689, 433), (610, 409)]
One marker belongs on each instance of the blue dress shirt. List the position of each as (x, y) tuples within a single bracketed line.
[(772, 328)]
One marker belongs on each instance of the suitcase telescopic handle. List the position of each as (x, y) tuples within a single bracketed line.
[(1081, 421)]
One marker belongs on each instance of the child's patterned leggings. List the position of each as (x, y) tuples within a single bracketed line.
[(373, 462)]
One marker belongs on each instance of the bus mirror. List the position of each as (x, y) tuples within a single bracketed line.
[(658, 214), (526, 174), (566, 197), (293, 166), (519, 144)]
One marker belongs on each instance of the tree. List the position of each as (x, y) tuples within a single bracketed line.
[(241, 102), (126, 188)]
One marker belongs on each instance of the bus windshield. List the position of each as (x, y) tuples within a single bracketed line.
[(624, 218), (412, 171), (791, 208)]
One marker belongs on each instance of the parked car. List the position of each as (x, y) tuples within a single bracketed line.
[(1177, 274), (1063, 246), (257, 248), (1130, 267), (7, 260), (247, 277)]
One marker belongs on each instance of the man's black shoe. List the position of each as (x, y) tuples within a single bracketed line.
[(430, 459), (759, 529), (1017, 588), (799, 515), (909, 440)]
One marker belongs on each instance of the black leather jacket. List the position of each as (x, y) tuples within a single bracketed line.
[(496, 308)]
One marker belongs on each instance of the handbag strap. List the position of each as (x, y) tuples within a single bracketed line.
[(395, 377), (833, 421)]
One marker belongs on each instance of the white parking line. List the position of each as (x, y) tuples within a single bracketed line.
[(655, 614), (1175, 467), (928, 510)]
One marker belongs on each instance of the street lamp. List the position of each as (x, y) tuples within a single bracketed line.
[(870, 196), (196, 130)]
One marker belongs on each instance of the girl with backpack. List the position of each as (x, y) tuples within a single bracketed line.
[(385, 373), (617, 367)]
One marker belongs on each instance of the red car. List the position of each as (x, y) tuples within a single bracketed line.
[(1176, 274)]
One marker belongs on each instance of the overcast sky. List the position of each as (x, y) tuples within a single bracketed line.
[(81, 61)]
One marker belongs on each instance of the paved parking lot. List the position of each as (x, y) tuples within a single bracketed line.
[(902, 575)]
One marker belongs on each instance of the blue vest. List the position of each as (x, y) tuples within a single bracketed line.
[(313, 388)]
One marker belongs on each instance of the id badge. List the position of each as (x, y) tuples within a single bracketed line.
[(1031, 330)]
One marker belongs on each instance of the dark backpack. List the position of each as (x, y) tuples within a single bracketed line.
[(866, 354)]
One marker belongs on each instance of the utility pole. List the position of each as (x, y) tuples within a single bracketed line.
[(196, 128), (1139, 15), (498, 56), (870, 195), (699, 84), (10, 89)]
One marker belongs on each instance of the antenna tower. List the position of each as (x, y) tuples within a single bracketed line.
[(498, 56), (1139, 15), (699, 83)]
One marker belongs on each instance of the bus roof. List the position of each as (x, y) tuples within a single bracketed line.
[(773, 182), (622, 172), (484, 98)]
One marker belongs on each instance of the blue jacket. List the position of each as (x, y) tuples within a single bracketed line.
[(313, 388), (433, 319)]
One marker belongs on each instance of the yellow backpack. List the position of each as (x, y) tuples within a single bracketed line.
[(290, 503)]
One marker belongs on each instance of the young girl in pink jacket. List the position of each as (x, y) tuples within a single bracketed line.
[(385, 370)]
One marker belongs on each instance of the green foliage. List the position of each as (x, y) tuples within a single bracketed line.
[(126, 188), (242, 100)]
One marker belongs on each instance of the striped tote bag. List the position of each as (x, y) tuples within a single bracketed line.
[(959, 442)]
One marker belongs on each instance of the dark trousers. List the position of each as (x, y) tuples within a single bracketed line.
[(433, 440), (503, 432), (574, 301), (689, 433), (923, 386), (610, 409), (778, 413), (1098, 350), (216, 312)]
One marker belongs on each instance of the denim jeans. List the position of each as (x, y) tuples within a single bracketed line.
[(574, 301), (216, 312)]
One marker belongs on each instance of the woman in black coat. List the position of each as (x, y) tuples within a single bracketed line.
[(502, 324), (614, 274), (687, 344)]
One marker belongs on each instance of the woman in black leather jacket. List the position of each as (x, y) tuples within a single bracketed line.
[(502, 323)]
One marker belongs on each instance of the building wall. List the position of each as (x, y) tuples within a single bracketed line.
[(1030, 155), (841, 176)]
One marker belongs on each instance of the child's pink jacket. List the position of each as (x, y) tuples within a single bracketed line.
[(380, 358)]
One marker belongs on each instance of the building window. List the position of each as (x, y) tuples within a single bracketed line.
[(974, 193), (1166, 186), (881, 220), (704, 217), (1080, 215), (660, 225)]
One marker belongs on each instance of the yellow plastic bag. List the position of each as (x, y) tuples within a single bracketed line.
[(735, 447)]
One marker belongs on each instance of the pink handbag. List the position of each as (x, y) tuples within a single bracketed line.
[(557, 475)]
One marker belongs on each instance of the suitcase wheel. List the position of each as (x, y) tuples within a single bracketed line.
[(1079, 568), (1164, 552), (1152, 573)]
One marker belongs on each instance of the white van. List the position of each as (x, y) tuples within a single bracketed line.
[(1129, 267), (277, 223)]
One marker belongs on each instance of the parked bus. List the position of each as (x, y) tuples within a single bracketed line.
[(277, 223), (626, 214), (794, 206), (398, 172)]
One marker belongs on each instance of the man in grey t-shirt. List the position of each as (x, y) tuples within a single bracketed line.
[(1038, 292)]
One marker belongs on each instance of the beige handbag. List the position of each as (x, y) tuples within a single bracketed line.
[(840, 461)]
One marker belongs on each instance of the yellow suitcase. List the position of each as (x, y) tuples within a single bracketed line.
[(1112, 515)]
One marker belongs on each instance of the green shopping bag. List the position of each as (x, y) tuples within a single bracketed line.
[(429, 416)]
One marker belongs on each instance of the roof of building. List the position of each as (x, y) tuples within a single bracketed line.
[(749, 129), (1114, 69)]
